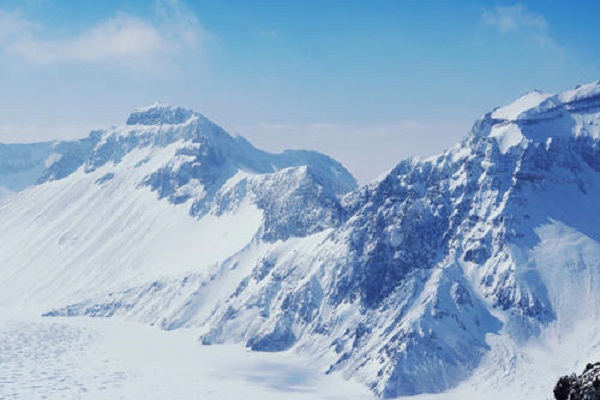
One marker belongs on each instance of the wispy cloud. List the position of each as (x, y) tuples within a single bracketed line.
[(514, 18), (123, 39), (13, 27), (518, 19)]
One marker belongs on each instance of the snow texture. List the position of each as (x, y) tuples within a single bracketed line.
[(470, 274), (79, 359)]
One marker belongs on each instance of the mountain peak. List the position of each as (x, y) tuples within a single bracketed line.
[(538, 117), (535, 104), (524, 103), (580, 93), (160, 114)]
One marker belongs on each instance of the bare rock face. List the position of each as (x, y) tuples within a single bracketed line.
[(580, 387)]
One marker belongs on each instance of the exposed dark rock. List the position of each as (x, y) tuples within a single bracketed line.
[(579, 387)]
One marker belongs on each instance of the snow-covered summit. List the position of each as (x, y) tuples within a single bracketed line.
[(205, 155), (175, 170), (519, 106), (538, 117), (582, 92), (160, 114), (537, 105)]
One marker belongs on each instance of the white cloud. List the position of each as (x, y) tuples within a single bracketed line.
[(514, 18), (527, 24), (123, 39), (366, 150), (180, 25), (13, 27)]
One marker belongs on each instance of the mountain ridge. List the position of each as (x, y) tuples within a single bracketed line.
[(409, 284)]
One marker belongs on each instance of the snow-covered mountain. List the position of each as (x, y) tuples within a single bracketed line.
[(133, 204), (442, 269)]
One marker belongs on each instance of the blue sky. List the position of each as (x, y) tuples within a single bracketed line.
[(368, 82)]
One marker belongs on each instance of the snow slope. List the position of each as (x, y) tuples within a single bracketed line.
[(129, 205), (466, 274)]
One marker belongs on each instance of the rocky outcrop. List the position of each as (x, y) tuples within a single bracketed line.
[(580, 387)]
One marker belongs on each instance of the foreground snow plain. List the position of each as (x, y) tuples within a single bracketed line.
[(85, 358), (98, 358)]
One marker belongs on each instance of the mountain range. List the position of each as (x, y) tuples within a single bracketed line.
[(410, 284)]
